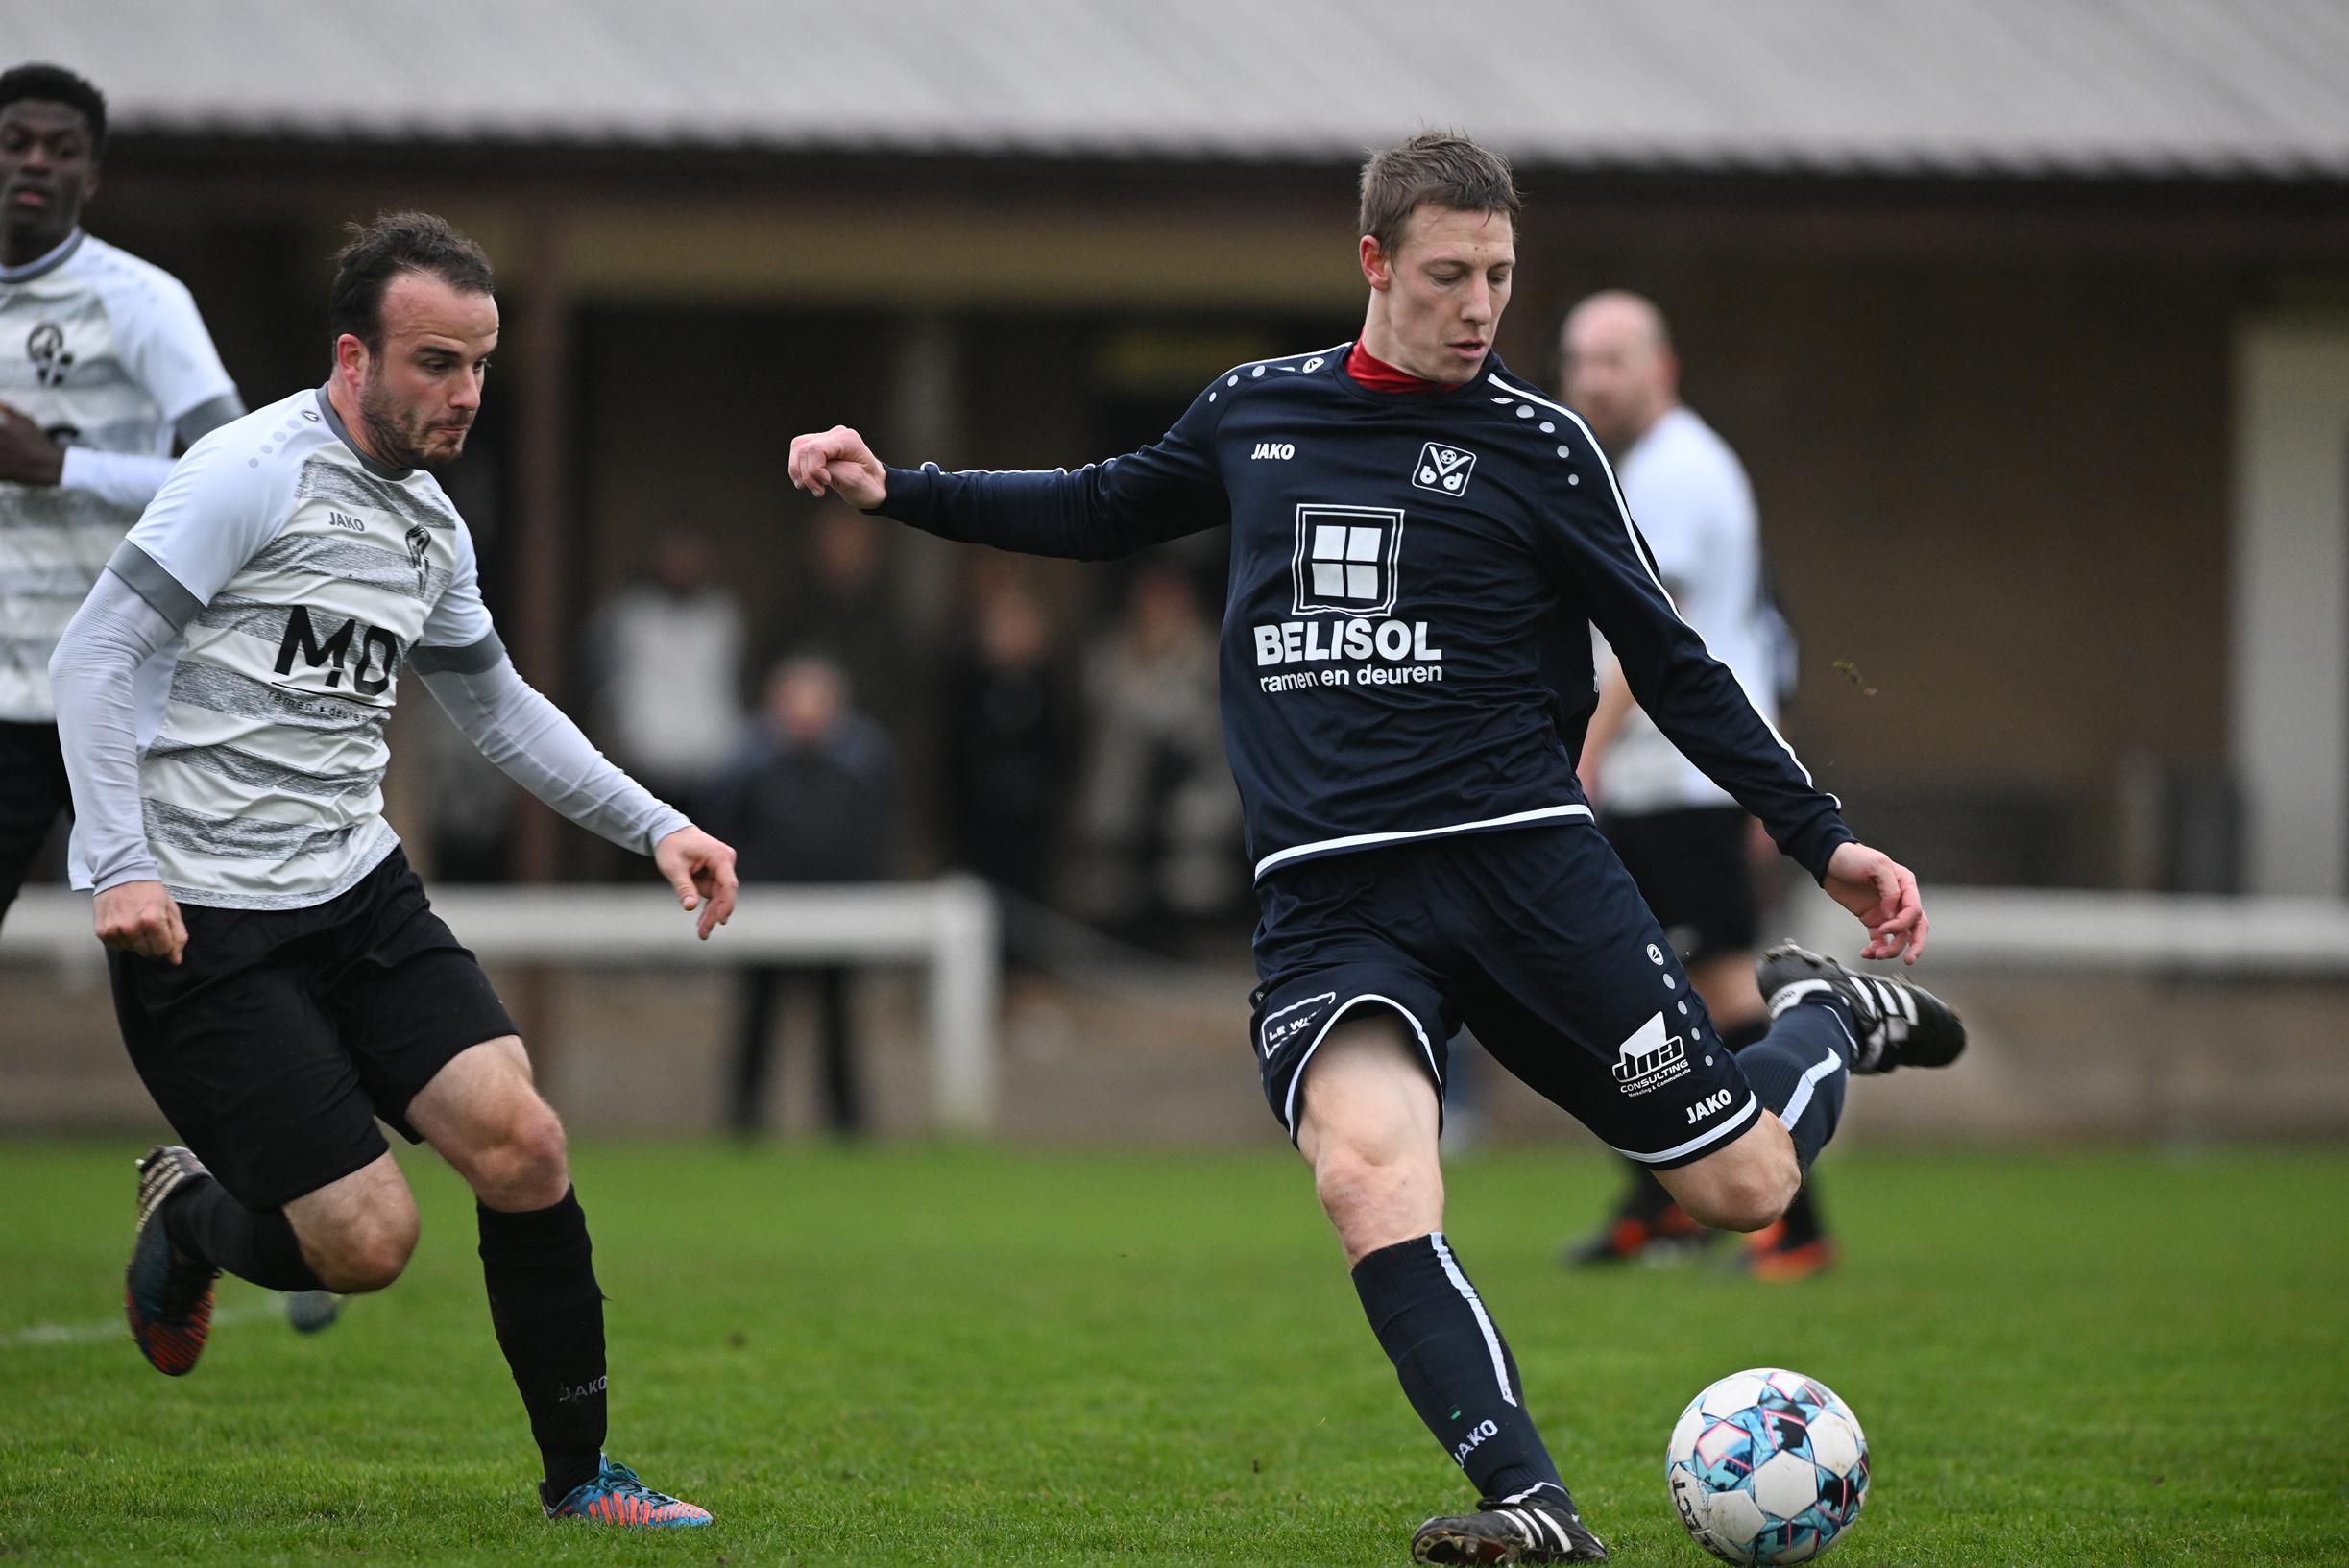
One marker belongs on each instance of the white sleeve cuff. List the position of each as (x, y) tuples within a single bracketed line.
[(125, 479)]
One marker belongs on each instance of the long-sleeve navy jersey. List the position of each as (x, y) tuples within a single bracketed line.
[(1413, 579)]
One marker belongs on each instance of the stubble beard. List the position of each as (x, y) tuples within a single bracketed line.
[(394, 442)]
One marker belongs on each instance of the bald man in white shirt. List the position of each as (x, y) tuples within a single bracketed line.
[(1685, 842)]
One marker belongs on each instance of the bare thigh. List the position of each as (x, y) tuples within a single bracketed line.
[(483, 1114), (356, 1233), (1369, 1127)]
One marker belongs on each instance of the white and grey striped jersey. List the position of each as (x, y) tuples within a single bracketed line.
[(106, 353), (301, 574)]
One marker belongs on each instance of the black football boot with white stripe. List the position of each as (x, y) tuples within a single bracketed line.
[(1895, 1024), (1530, 1527)]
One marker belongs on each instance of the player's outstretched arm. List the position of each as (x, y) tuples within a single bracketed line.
[(837, 460), (536, 744), (1100, 511), (1883, 894)]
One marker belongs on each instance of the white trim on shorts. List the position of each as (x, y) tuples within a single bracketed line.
[(1288, 1112), (1747, 1113)]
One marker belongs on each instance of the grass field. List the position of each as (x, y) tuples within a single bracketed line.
[(969, 1357)]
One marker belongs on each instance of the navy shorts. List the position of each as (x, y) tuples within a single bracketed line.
[(1536, 938)]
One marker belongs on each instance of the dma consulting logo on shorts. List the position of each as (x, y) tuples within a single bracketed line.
[(1650, 1059)]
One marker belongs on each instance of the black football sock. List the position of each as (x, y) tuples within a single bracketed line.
[(548, 1313), (1803, 1225), (1801, 1069), (257, 1244), (1453, 1365)]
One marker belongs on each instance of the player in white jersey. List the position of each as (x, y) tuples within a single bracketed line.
[(281, 977), (103, 363), (1684, 841)]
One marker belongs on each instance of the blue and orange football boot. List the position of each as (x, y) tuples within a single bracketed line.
[(166, 1294), (617, 1497)]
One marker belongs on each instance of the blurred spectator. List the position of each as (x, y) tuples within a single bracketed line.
[(814, 797), (843, 604), (1160, 815), (666, 657), (1009, 739)]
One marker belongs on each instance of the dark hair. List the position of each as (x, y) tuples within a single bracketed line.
[(1434, 168), (56, 84), (394, 244)]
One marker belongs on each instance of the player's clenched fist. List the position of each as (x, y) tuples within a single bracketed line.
[(838, 460), (141, 918)]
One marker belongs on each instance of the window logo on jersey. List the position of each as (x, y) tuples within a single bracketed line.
[(1345, 561), (1443, 470), (45, 346)]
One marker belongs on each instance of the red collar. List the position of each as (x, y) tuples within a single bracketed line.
[(1375, 374)]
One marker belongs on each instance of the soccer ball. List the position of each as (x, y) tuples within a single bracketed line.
[(1767, 1466)]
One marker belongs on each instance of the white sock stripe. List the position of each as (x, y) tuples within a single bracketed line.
[(1787, 996), (1476, 1305), (1800, 1100)]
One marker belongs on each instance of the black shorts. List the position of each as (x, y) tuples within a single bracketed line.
[(1537, 940), (33, 796), (1696, 872), (282, 1034)]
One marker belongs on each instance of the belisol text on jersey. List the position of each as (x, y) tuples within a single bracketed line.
[(1403, 643)]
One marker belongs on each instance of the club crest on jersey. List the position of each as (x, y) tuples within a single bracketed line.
[(1344, 561), (45, 346), (419, 554), (1443, 470)]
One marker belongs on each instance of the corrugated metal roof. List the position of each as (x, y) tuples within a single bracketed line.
[(2225, 88)]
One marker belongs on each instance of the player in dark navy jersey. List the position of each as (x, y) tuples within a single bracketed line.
[(1419, 545)]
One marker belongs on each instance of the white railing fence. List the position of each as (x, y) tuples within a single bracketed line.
[(947, 928)]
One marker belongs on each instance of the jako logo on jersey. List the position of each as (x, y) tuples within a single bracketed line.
[(1344, 561), (379, 653), (344, 520), (1476, 1437), (1650, 1059), (1718, 1100), (46, 347), (1443, 470), (1281, 450)]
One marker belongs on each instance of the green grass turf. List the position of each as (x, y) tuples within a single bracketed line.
[(960, 1356)]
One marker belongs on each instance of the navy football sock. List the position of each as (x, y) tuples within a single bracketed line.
[(549, 1313), (258, 1244), (1801, 1069), (1453, 1365)]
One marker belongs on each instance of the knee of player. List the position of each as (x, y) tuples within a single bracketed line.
[(1747, 1200), (1350, 1177), (368, 1256), (532, 1158)]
